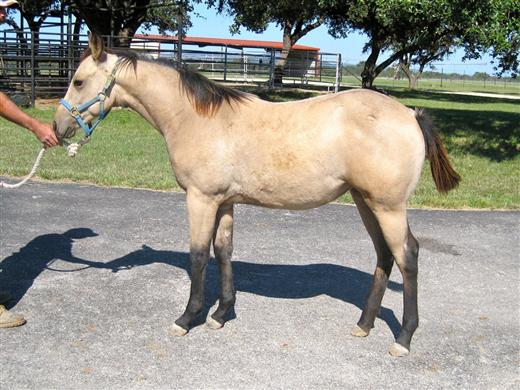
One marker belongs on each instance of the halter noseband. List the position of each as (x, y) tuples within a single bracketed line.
[(76, 111)]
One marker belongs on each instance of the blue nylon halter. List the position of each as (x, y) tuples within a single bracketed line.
[(76, 111)]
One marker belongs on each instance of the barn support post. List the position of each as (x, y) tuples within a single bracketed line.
[(338, 73), (271, 68)]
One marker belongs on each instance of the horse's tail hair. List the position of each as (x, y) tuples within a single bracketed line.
[(444, 175)]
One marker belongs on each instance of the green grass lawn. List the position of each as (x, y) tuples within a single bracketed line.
[(481, 134)]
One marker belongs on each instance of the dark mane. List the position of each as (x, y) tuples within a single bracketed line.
[(205, 95)]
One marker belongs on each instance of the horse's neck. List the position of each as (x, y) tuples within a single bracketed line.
[(153, 91)]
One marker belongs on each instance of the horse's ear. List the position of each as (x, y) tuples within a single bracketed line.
[(97, 45)]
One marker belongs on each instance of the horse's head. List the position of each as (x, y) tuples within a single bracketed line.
[(91, 94)]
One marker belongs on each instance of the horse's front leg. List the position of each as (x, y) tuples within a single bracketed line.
[(223, 248), (202, 212)]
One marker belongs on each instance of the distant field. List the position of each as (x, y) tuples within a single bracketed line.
[(506, 87), (481, 134)]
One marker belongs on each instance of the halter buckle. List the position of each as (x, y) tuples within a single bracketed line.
[(74, 112)]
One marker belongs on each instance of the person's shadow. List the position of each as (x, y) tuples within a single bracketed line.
[(19, 270)]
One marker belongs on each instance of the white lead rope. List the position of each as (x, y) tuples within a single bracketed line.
[(72, 150), (31, 174)]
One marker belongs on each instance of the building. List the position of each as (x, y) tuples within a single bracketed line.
[(252, 56)]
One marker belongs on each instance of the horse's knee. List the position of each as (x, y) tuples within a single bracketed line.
[(223, 250), (199, 258)]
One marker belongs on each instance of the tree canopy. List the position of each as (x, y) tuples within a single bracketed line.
[(421, 28), (501, 36), (35, 12)]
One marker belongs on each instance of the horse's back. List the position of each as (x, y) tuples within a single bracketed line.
[(318, 148)]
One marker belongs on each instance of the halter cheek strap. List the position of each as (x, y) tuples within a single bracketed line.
[(76, 111)]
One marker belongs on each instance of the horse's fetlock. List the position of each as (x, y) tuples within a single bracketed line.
[(411, 325), (228, 299)]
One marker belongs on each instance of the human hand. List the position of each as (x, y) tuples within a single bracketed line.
[(45, 134)]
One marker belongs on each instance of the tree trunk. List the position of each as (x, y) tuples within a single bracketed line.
[(75, 36), (369, 74), (405, 67), (123, 37), (35, 40), (279, 70), (412, 78)]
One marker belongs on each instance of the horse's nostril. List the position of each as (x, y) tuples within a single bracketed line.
[(70, 132)]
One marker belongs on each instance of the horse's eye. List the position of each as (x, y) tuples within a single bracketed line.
[(78, 83)]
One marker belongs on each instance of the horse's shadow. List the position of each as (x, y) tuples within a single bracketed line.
[(271, 280), (283, 281)]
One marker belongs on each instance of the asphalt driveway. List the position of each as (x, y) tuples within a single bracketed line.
[(100, 274)]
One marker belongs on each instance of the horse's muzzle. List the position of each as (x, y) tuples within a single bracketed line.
[(68, 133)]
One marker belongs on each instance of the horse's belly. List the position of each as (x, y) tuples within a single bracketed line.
[(294, 194)]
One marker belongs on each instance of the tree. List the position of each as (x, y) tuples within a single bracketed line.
[(500, 36), (118, 18), (122, 18), (170, 17), (34, 12), (420, 58), (296, 18), (421, 28)]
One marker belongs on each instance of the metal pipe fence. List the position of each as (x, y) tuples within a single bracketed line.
[(42, 65)]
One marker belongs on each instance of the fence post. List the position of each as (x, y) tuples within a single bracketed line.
[(320, 62), (225, 64), (33, 73), (338, 70), (70, 50)]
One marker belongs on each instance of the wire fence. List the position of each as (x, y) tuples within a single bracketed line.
[(42, 65), (436, 80)]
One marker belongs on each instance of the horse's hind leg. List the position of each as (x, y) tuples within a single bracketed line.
[(223, 248), (385, 261), (405, 250), (201, 213)]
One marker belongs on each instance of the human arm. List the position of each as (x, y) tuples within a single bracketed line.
[(11, 112)]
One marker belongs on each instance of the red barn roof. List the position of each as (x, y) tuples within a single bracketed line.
[(200, 41)]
